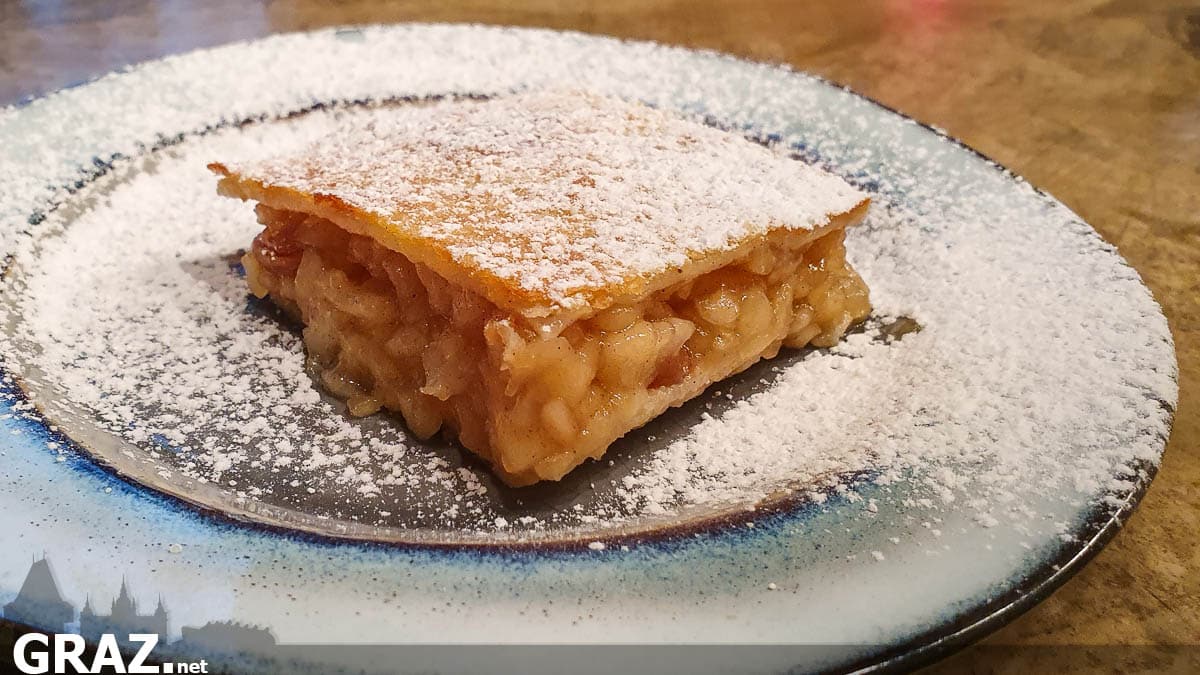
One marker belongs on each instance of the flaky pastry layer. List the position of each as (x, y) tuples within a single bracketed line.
[(551, 205)]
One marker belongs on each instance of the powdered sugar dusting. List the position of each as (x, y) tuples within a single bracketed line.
[(559, 192), (1040, 357)]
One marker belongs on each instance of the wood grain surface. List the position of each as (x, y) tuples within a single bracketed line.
[(1097, 102)]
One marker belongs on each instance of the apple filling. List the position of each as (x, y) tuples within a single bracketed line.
[(384, 332)]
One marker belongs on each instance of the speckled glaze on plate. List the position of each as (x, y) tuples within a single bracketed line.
[(888, 590)]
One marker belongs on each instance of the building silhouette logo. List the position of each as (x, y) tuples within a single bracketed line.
[(233, 637), (123, 620), (40, 605)]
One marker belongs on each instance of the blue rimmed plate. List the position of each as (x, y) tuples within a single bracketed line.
[(879, 503)]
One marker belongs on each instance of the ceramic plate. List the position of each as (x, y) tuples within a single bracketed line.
[(949, 464)]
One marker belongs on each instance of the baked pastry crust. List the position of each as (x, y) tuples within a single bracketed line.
[(541, 273)]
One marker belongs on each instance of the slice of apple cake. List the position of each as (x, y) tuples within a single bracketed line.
[(542, 272)]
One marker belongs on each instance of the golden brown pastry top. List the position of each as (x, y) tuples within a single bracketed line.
[(550, 204)]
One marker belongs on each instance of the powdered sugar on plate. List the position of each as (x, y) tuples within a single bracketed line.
[(1039, 359)]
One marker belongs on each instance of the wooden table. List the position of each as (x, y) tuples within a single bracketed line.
[(1097, 102)]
